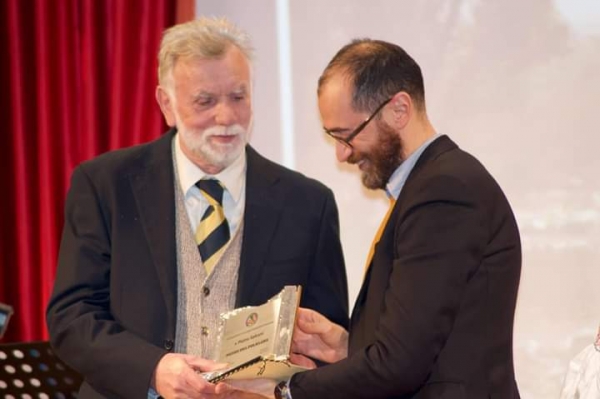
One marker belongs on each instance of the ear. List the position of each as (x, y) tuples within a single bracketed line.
[(166, 105), (402, 109)]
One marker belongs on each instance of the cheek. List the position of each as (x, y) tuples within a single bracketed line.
[(197, 123), (245, 114), (194, 120)]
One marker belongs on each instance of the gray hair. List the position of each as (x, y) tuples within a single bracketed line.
[(204, 37)]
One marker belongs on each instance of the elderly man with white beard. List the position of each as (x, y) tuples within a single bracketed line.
[(161, 238)]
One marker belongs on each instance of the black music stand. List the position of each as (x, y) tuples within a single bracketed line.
[(31, 370)]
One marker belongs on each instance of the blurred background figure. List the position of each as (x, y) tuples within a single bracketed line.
[(583, 376)]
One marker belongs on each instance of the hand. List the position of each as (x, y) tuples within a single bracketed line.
[(176, 376), (301, 360), (317, 337), (260, 388)]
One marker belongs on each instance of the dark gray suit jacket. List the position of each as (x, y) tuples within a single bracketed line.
[(434, 318), (112, 313)]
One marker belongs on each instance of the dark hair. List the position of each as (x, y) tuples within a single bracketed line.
[(377, 71)]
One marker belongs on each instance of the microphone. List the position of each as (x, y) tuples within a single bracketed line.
[(5, 313)]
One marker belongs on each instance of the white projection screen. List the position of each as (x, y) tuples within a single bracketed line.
[(514, 82)]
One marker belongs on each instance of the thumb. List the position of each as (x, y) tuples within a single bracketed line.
[(201, 364)]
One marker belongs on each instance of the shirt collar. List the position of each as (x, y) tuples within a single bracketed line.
[(398, 178), (232, 177)]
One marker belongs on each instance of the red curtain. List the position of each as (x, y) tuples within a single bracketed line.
[(77, 78)]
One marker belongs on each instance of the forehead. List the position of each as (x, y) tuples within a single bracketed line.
[(230, 71), (335, 100)]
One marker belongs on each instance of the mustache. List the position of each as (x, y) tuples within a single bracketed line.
[(233, 130), (355, 158)]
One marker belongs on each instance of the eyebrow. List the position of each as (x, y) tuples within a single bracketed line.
[(242, 89), (202, 94)]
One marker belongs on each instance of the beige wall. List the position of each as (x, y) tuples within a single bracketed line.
[(514, 82)]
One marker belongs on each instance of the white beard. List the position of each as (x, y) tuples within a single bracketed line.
[(215, 154)]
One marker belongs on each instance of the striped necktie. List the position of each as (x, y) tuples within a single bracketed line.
[(212, 233)]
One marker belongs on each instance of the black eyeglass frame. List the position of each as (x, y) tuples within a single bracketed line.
[(346, 140)]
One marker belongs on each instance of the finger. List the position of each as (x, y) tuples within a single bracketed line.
[(305, 343), (300, 336), (223, 388), (197, 383), (304, 338), (260, 386), (314, 326), (201, 364), (302, 360), (306, 314)]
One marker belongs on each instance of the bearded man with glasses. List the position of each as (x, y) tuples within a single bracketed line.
[(434, 316)]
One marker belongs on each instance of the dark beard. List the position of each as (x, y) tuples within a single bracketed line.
[(382, 160)]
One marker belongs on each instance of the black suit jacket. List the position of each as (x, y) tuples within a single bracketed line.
[(434, 317), (112, 313)]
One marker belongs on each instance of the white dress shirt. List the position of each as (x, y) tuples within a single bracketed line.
[(233, 178)]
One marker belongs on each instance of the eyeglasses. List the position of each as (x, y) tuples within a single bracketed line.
[(346, 140)]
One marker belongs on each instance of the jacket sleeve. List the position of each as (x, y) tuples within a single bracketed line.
[(438, 244), (327, 288), (81, 323)]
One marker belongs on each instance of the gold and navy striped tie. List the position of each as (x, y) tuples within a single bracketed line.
[(212, 233)]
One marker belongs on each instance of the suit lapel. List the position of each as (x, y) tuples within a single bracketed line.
[(370, 290), (386, 243), (435, 149), (153, 187), (261, 215), (360, 299)]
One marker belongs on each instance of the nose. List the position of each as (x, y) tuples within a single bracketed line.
[(224, 114), (342, 151)]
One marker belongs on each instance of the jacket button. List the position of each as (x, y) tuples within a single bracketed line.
[(168, 344), (206, 291)]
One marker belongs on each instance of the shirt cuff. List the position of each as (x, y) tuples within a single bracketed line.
[(282, 390), (152, 394)]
